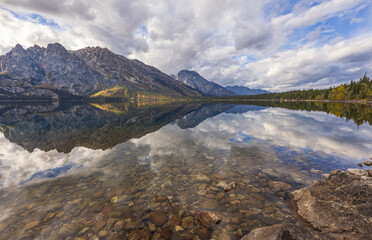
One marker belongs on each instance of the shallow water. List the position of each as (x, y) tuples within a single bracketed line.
[(120, 171)]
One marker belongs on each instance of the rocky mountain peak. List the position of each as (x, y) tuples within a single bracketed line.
[(56, 48), (19, 48), (19, 64), (97, 50), (36, 47), (36, 52), (183, 72), (96, 54), (194, 80), (18, 51)]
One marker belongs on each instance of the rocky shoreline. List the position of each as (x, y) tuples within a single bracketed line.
[(337, 207)]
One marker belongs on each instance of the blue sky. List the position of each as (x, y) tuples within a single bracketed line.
[(276, 45)]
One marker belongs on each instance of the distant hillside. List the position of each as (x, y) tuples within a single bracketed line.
[(360, 90), (241, 90), (39, 73), (194, 80)]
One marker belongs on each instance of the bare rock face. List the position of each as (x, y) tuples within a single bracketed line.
[(82, 72), (194, 80), (65, 71), (20, 64), (340, 205), (284, 231)]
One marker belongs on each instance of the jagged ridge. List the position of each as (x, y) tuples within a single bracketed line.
[(81, 73), (194, 80)]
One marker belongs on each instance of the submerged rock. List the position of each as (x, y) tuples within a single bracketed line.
[(98, 226), (227, 188), (119, 199), (174, 220), (2, 226), (224, 236), (340, 205), (208, 218), (204, 234), (284, 232), (357, 172), (69, 229), (142, 234), (230, 186), (102, 234), (166, 232), (188, 222), (31, 225), (167, 184), (220, 195), (221, 184), (202, 178), (119, 225), (179, 229), (316, 171), (277, 185), (209, 204), (158, 218), (368, 163)]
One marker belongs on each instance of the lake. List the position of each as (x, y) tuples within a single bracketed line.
[(147, 171)]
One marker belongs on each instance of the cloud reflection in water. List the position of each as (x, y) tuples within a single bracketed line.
[(273, 127), (299, 131), (17, 165)]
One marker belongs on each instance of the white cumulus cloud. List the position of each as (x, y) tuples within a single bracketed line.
[(271, 44)]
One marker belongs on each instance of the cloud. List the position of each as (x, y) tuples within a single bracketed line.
[(266, 129), (75, 8), (28, 33), (254, 38), (203, 35), (306, 67), (309, 16), (317, 132), (17, 165)]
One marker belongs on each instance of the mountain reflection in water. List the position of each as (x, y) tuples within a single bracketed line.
[(78, 169)]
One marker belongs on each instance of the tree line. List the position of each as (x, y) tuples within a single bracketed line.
[(358, 113), (353, 91)]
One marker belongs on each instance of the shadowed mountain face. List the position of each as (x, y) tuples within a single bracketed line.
[(51, 125), (241, 90), (64, 127), (79, 73), (194, 118), (194, 80)]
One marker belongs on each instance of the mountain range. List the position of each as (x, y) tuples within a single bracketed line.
[(241, 90), (55, 72), (209, 88)]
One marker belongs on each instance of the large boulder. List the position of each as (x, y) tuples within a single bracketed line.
[(340, 205)]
